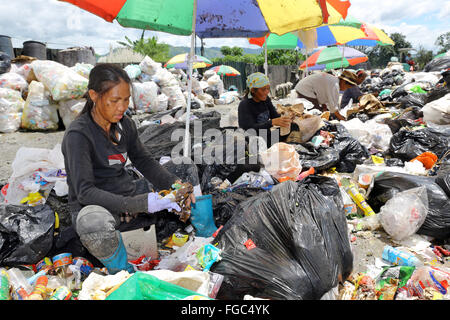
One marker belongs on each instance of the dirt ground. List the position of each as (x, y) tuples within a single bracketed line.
[(367, 245)]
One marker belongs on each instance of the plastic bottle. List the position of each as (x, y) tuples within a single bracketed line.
[(4, 285), (400, 258), (357, 197), (39, 291), (20, 284)]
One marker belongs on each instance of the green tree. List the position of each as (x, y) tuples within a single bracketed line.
[(422, 57), (234, 51), (159, 52), (379, 56), (443, 42)]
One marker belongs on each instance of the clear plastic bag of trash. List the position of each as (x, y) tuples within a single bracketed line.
[(39, 113), (70, 109), (150, 67), (13, 81), (282, 161), (405, 213), (62, 82), (11, 107), (144, 96)]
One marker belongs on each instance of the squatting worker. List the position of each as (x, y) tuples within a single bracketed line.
[(354, 92), (96, 147), (256, 110), (322, 89)]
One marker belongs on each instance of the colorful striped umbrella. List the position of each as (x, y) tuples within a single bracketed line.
[(333, 58), (326, 36), (373, 37), (218, 18), (224, 70), (180, 61)]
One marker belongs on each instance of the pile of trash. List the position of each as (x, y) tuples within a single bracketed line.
[(278, 223), (37, 95)]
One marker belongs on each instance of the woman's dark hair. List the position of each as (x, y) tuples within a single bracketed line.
[(102, 78)]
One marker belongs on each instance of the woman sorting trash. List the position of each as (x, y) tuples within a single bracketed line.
[(256, 110), (103, 197)]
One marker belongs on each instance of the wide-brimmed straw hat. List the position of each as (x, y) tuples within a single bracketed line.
[(349, 77)]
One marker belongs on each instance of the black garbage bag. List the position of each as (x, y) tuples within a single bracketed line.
[(67, 240), (437, 64), (5, 62), (225, 203), (437, 221), (321, 158), (290, 243), (437, 92), (351, 152), (157, 138), (396, 124), (26, 233), (412, 100), (443, 174), (221, 160), (185, 169), (407, 145), (344, 153)]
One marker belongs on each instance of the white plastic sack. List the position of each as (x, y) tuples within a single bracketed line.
[(165, 78), (83, 69), (308, 127), (62, 82), (32, 165), (11, 107), (96, 286), (162, 103), (22, 69), (70, 109), (207, 99), (13, 81), (437, 111), (175, 95), (214, 82), (432, 77), (369, 133), (133, 71), (39, 113), (403, 214), (145, 95), (282, 161), (149, 66)]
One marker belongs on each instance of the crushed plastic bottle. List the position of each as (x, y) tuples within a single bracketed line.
[(400, 258)]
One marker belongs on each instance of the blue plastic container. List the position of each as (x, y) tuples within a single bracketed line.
[(202, 216)]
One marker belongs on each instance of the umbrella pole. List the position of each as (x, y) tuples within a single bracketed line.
[(342, 61), (187, 139), (306, 69), (265, 57)]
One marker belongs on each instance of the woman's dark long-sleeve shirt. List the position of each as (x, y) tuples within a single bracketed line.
[(96, 172)]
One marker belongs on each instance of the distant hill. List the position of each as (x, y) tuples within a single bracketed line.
[(210, 52)]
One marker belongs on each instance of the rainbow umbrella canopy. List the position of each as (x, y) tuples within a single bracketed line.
[(325, 35), (180, 61), (224, 70), (333, 58), (218, 18)]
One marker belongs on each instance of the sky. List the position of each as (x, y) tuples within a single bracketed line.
[(61, 25)]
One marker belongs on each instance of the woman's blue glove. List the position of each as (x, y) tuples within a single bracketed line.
[(155, 203)]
